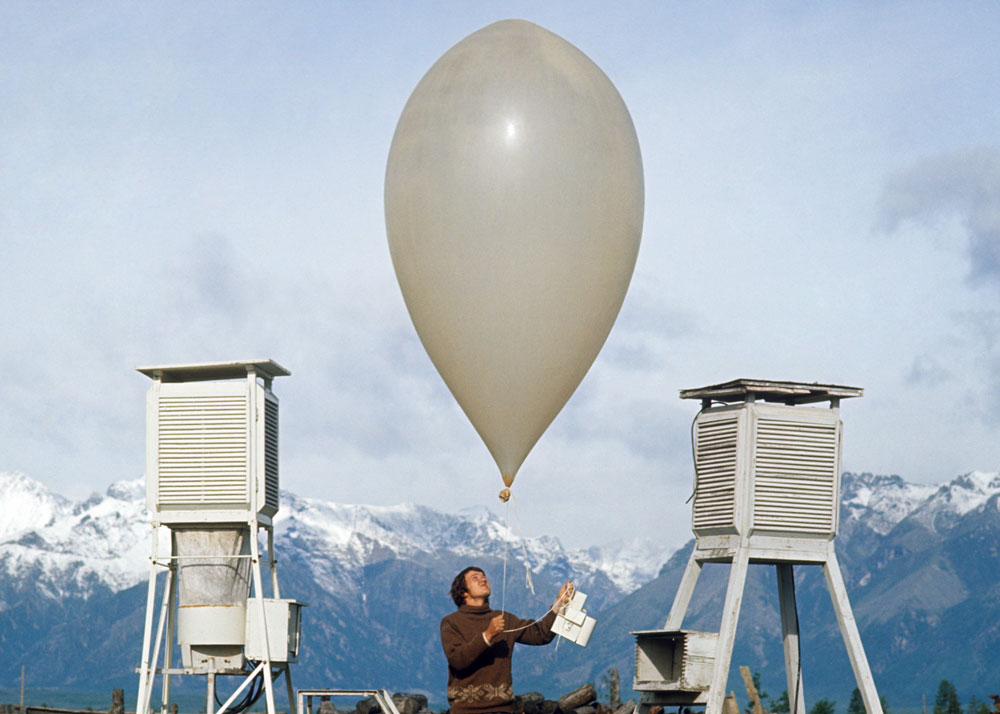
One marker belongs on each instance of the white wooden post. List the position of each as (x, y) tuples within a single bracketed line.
[(684, 592), (727, 632), (849, 630), (790, 637)]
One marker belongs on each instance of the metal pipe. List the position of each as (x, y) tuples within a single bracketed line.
[(159, 634), (144, 675), (262, 617), (168, 647), (274, 571)]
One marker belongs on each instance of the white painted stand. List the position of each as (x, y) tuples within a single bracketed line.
[(212, 463), (167, 625), (740, 553), (767, 491)]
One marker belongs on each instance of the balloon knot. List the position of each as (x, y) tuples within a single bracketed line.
[(505, 495)]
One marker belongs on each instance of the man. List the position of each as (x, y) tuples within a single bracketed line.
[(479, 642)]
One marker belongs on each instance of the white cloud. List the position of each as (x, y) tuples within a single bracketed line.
[(963, 185), (205, 182)]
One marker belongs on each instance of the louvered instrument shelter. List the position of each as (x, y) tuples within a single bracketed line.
[(212, 433), (766, 467), (767, 489), (212, 487)]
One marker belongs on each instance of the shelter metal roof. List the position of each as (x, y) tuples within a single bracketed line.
[(740, 390), (206, 371)]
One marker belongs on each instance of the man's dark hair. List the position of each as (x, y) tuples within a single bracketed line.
[(458, 589)]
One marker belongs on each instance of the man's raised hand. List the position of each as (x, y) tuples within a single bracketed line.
[(563, 598), (494, 629)]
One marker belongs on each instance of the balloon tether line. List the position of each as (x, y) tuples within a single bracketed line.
[(506, 537), (524, 549), (506, 496)]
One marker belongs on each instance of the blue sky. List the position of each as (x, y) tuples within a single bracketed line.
[(185, 182)]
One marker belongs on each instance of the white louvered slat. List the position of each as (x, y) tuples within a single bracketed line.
[(202, 451), (271, 453), (795, 475), (715, 460)]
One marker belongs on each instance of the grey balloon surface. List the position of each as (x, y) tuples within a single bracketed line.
[(514, 207)]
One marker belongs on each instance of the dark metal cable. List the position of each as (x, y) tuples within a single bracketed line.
[(694, 455), (253, 692)]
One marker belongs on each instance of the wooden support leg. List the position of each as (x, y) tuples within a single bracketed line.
[(727, 632), (790, 637), (684, 592), (849, 630)]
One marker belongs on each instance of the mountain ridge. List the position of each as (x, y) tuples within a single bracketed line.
[(920, 563)]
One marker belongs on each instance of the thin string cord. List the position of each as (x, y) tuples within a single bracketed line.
[(530, 622), (524, 548), (527, 570), (506, 537)]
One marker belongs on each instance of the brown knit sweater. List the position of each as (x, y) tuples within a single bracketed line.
[(479, 674)]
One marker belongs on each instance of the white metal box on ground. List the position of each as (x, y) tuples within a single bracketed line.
[(284, 628), (674, 660)]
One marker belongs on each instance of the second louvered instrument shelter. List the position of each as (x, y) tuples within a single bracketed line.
[(212, 487), (212, 432), (767, 489), (767, 467)]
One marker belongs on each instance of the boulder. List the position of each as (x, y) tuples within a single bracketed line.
[(548, 707), (528, 703), (368, 705), (409, 703)]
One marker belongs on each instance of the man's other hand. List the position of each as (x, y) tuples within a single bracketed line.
[(563, 598), (494, 629)]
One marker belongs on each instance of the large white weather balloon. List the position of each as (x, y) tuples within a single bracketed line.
[(513, 207)]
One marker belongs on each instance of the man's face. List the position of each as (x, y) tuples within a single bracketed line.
[(476, 584)]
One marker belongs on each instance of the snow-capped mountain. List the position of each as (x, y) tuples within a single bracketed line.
[(105, 539), (73, 547), (27, 505), (358, 535), (965, 494), (920, 563), (881, 501)]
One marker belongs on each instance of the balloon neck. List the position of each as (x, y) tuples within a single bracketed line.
[(508, 481)]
